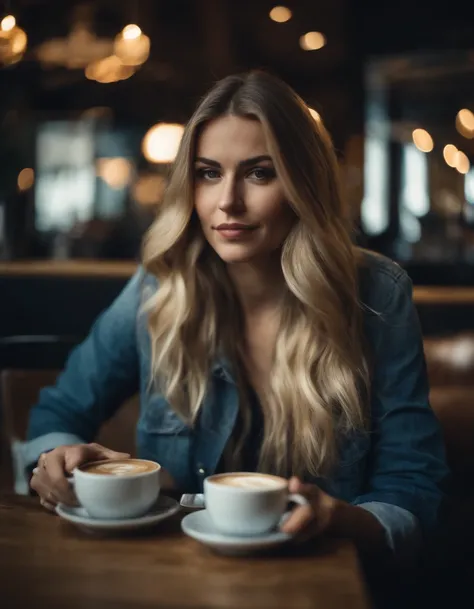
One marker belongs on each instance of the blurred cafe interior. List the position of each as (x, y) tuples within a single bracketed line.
[(94, 96)]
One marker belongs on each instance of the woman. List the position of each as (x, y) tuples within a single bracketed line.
[(259, 337)]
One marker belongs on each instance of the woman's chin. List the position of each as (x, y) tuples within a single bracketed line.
[(237, 259), (235, 255)]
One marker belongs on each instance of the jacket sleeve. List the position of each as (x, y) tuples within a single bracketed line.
[(99, 375), (407, 460)]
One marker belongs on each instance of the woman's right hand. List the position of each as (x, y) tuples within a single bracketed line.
[(50, 476)]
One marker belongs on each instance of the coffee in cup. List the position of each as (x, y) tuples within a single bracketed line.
[(118, 488), (247, 504), (119, 467), (248, 481)]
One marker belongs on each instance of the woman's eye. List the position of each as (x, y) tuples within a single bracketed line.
[(262, 174), (208, 174)]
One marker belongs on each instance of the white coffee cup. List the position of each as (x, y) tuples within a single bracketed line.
[(116, 489), (247, 504)]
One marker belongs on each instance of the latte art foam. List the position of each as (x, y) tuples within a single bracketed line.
[(250, 482), (127, 467), (120, 469)]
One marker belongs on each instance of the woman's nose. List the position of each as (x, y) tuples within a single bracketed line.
[(230, 197)]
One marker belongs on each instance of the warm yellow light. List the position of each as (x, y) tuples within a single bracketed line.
[(26, 179), (462, 162), (132, 46), (466, 118), (312, 41), (314, 114), (422, 140), (115, 172), (148, 189), (449, 153), (465, 123), (131, 32), (280, 14), (97, 112), (8, 23), (161, 143), (110, 69), (19, 42), (13, 41)]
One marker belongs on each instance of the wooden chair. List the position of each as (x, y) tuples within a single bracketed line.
[(19, 390), (450, 362)]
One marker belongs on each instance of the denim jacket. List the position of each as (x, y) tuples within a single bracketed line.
[(393, 470)]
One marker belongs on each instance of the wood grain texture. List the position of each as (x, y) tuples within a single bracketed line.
[(49, 563), (443, 295), (422, 295), (69, 268)]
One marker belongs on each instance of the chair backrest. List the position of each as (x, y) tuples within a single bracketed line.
[(450, 362), (37, 351), (19, 390)]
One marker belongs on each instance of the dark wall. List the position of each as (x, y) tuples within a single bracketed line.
[(42, 318), (51, 305)]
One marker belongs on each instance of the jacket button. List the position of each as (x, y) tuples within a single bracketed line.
[(201, 471)]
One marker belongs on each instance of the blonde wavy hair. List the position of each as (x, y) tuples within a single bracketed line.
[(318, 388)]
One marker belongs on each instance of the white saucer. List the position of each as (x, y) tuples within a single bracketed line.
[(199, 526), (164, 508)]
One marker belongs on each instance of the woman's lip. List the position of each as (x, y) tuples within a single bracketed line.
[(234, 233), (235, 227)]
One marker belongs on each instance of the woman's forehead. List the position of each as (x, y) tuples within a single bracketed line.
[(232, 136)]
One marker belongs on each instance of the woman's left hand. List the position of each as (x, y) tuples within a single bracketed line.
[(326, 514), (318, 517)]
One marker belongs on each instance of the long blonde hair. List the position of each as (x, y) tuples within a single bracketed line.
[(319, 383)]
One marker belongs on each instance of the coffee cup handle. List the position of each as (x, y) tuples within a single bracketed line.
[(298, 499)]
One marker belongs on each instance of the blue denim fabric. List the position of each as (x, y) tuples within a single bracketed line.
[(393, 470)]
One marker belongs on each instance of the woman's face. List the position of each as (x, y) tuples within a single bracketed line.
[(239, 198)]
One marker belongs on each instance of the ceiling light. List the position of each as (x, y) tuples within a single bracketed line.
[(312, 41), (422, 140), (161, 143), (280, 14)]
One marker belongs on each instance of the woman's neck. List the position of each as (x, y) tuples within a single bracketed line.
[(259, 287)]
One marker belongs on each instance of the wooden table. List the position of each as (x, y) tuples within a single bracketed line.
[(46, 562)]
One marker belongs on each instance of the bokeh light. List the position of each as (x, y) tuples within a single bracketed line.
[(26, 179), (8, 23), (449, 153), (161, 143), (108, 70), (312, 41), (148, 189), (132, 46), (465, 123), (131, 32), (13, 41), (116, 172), (280, 14), (423, 140), (462, 162)]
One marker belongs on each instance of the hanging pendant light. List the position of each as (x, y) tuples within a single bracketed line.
[(13, 41), (132, 46)]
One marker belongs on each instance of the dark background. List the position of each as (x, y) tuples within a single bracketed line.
[(423, 51)]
